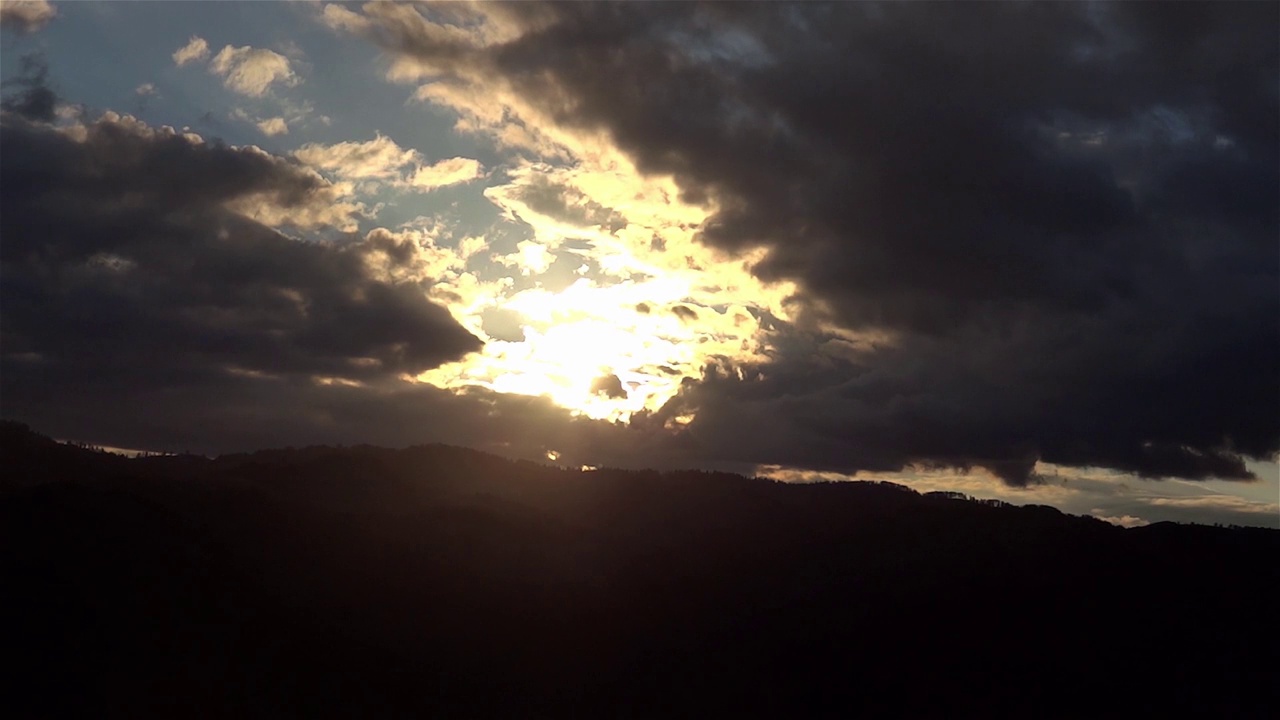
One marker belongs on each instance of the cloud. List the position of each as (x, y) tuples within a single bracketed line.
[(685, 313), (408, 255), (609, 386), (340, 18), (196, 50), (446, 172), (1127, 521), (133, 271), (146, 89), (382, 159), (1218, 502), (251, 71), (532, 258), (536, 195), (1167, 503), (577, 308), (34, 100), (148, 307), (236, 411), (1062, 251), (151, 311), (1110, 496), (26, 16), (293, 115), (273, 126)]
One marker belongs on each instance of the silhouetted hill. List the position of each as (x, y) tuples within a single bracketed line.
[(366, 582)]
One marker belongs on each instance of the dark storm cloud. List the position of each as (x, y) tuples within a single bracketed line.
[(1064, 215), (609, 386), (126, 276), (28, 94), (685, 313)]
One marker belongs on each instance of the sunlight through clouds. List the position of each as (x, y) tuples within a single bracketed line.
[(572, 338), (640, 267), (729, 232)]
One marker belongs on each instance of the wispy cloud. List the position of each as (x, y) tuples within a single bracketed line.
[(196, 50), (1127, 521), (446, 172), (1231, 503), (252, 71), (381, 159)]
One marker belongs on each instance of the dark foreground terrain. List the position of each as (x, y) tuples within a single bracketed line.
[(372, 583)]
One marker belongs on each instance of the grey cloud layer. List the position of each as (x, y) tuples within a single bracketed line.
[(1064, 215), (126, 275)]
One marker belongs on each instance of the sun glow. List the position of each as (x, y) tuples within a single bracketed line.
[(623, 336), (575, 338), (648, 306)]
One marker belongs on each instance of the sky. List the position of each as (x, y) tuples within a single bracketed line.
[(1024, 251)]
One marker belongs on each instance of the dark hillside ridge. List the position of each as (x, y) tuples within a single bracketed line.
[(366, 582)]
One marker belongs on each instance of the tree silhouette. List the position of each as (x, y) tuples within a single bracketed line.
[(433, 580)]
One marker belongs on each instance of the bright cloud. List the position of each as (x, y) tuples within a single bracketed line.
[(1127, 521), (446, 172), (251, 71), (340, 18), (635, 244), (381, 159), (26, 15), (197, 49), (530, 257), (1230, 503), (273, 126)]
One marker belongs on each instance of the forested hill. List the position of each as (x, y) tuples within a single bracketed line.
[(367, 582)]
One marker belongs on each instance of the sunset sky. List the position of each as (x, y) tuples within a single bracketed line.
[(1025, 251)]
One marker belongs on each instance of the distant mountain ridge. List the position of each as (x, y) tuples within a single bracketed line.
[(437, 580)]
